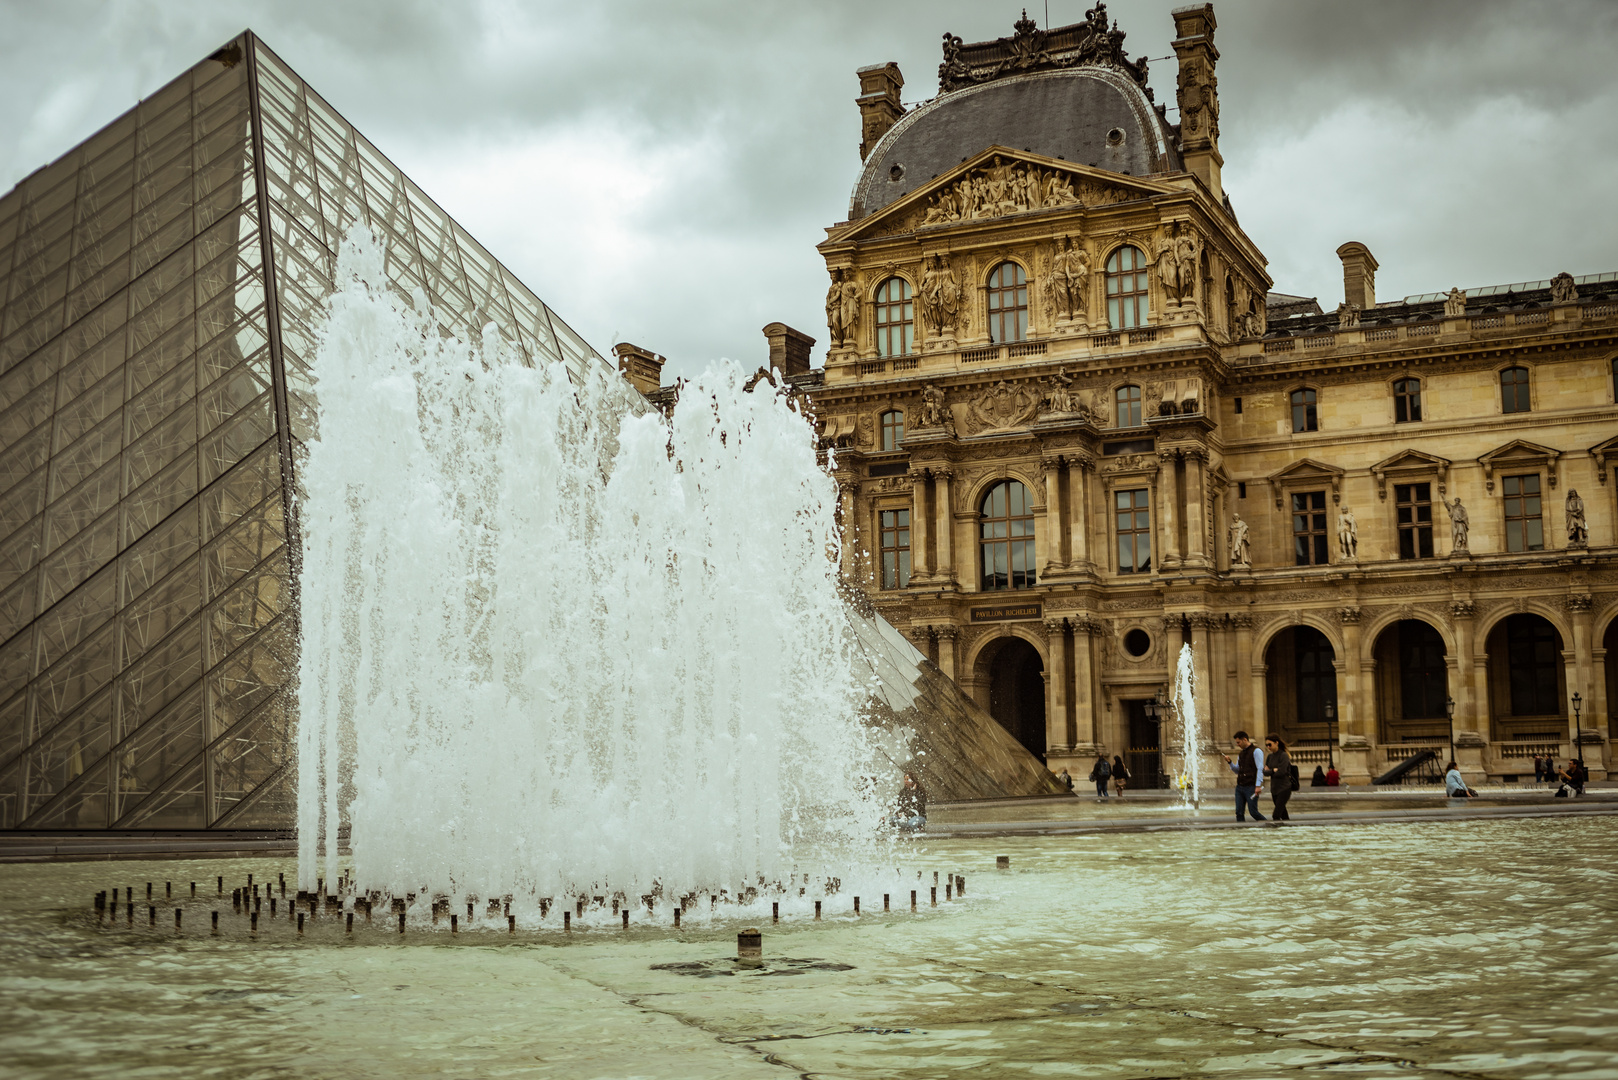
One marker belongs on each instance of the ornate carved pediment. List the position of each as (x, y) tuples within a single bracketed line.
[(1303, 474), (1032, 49), (1000, 182), (1410, 463), (1519, 454), (1002, 407)]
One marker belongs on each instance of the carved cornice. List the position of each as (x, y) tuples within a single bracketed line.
[(1029, 49)]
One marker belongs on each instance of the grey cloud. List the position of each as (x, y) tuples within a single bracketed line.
[(1416, 127)]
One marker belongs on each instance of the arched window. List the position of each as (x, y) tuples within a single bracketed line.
[(1126, 288), (1008, 303), (1314, 674), (1304, 417), (894, 317), (1533, 653), (1127, 399), (1514, 390), (1006, 537), (1406, 400), (893, 429)]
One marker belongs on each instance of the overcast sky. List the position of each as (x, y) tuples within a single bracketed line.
[(660, 172)]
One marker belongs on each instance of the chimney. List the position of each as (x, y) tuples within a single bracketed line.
[(1359, 275), (642, 367), (1198, 94), (789, 349), (878, 102)]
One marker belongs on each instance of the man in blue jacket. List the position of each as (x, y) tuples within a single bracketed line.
[(1249, 770)]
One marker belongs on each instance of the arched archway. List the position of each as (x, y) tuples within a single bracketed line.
[(1301, 680), (1527, 680), (1014, 673), (1412, 683)]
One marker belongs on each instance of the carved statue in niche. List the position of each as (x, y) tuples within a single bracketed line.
[(1348, 534), (842, 308), (1151, 401), (1578, 530), (1348, 316), (1563, 291), (940, 298), (1176, 258), (1460, 524), (1064, 286), (1454, 304), (1002, 406), (1241, 548), (1185, 253), (934, 412)]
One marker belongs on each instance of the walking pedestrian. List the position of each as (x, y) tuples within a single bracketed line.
[(1279, 768), (1249, 770), (1539, 769), (1100, 774), (1120, 775)]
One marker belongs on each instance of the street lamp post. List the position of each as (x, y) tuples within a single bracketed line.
[(1449, 710), (1157, 710), (1331, 713), (1578, 731)]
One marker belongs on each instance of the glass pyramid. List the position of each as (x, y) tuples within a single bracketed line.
[(159, 286)]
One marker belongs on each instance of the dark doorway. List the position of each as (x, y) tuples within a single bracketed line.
[(1144, 756), (1017, 693)]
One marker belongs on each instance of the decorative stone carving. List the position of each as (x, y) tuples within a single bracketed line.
[(1002, 406), (1348, 616), (1578, 530), (1059, 398), (1132, 463), (1563, 291), (1065, 284), (1197, 92), (1348, 316), (1454, 304), (1250, 323), (934, 412), (1460, 524), (1462, 609), (843, 308), (867, 431), (1002, 187), (940, 296), (1348, 534), (1579, 602), (1241, 548), (1176, 258), (1033, 49)]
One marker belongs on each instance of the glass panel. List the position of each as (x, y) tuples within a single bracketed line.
[(178, 805), (162, 674), (248, 757), (158, 553), (62, 756), (160, 496)]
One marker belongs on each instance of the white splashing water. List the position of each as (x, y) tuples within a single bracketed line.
[(1185, 707), (554, 644)]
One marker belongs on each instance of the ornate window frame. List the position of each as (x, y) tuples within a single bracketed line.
[(1499, 388), (1144, 266), (1521, 456), (995, 263), (876, 304), (1131, 471)]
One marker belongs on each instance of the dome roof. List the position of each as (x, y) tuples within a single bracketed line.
[(1094, 114)]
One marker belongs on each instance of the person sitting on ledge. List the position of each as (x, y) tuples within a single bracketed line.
[(1319, 779), (1575, 775), (911, 812), (1454, 786), (1331, 777)]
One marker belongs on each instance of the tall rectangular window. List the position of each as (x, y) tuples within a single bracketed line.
[(1406, 400), (1304, 416), (1126, 289), (1415, 509), (1127, 399), (893, 429), (1309, 528), (1514, 390), (1525, 528), (1134, 531), (895, 549)]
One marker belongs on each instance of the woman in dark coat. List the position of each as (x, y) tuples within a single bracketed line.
[(1278, 767), (1120, 775)]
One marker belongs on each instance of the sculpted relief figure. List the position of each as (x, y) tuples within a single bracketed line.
[(1168, 267), (1348, 534), (1067, 280), (940, 297), (1460, 523), (1578, 530), (1348, 316), (1060, 397), (1185, 253), (1241, 549), (1001, 187), (1454, 304), (1176, 259), (1003, 406), (1563, 291), (934, 413), (842, 308)]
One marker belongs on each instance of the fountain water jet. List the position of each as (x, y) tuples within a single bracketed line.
[(554, 644), (1185, 707)]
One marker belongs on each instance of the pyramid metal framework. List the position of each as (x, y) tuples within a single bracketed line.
[(159, 289)]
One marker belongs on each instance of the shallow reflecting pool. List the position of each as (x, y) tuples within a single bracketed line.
[(1480, 948)]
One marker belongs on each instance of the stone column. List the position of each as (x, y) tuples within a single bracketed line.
[(1467, 695), (1056, 686), (1168, 500), (1202, 666), (945, 539), (1052, 467), (1354, 733), (1244, 661), (1084, 699), (1196, 529), (920, 550), (946, 636), (1078, 484), (1585, 678), (847, 489)]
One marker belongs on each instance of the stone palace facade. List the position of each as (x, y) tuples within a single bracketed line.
[(1076, 427)]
